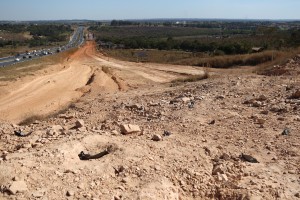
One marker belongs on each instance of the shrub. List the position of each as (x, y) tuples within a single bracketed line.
[(192, 78)]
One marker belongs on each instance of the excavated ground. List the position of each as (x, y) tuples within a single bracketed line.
[(191, 140)]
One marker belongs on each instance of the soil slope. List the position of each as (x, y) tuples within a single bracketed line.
[(134, 135)]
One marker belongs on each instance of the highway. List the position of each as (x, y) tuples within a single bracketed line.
[(77, 39)]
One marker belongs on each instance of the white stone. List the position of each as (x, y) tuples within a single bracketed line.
[(129, 128), (222, 177), (18, 187), (185, 99)]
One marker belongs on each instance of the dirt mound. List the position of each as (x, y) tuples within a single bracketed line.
[(292, 67)]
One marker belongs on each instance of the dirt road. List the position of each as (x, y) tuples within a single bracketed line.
[(48, 93)]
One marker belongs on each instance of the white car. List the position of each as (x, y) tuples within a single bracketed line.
[(17, 59)]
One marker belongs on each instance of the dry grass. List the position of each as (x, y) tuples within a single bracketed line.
[(262, 59), (268, 68), (156, 56), (192, 78), (236, 60), (31, 118), (106, 70)]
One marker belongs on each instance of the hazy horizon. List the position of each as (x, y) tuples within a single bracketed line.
[(32, 10)]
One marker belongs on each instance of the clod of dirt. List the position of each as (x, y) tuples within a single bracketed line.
[(286, 131), (79, 123), (295, 95), (249, 158), (167, 133), (156, 137)]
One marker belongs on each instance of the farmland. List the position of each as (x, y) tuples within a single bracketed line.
[(198, 43)]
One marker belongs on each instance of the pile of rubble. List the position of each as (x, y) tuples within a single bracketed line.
[(290, 68), (223, 138)]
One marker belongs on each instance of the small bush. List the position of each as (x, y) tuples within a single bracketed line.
[(238, 60), (192, 78), (31, 120), (106, 70)]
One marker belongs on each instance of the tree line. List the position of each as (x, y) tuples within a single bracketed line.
[(186, 45), (41, 34), (164, 38)]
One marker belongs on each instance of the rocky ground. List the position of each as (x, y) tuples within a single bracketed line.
[(232, 136)]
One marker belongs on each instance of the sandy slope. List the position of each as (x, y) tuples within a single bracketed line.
[(48, 93), (45, 93)]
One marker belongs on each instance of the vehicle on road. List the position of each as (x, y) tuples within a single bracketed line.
[(28, 55)]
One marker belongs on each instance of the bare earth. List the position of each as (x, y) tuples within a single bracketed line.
[(188, 142)]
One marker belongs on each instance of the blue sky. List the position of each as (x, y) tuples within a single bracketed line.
[(145, 9)]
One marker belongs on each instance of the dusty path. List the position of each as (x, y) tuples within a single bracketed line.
[(48, 93), (155, 72)]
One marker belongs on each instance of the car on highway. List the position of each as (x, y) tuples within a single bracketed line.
[(76, 40)]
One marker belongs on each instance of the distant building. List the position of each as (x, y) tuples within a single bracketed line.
[(257, 49)]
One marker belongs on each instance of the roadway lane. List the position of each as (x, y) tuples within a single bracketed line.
[(76, 40)]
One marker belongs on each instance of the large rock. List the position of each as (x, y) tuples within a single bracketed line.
[(79, 123), (295, 95), (185, 99), (129, 128), (18, 187), (156, 137)]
